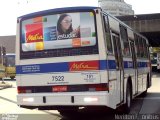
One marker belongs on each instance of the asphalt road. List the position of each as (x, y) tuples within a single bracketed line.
[(142, 107)]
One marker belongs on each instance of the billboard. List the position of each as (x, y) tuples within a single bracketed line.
[(60, 31)]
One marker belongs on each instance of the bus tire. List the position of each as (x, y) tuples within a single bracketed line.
[(127, 105), (144, 93), (68, 113)]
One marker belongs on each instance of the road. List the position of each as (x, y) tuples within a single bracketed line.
[(8, 106), (143, 106)]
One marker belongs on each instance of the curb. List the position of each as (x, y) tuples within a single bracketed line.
[(5, 85)]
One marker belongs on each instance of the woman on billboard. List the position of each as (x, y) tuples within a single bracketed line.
[(65, 29)]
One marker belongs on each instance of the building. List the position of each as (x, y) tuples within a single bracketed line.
[(8, 42), (116, 7)]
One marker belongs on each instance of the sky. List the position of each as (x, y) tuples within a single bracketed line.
[(11, 9), (144, 6)]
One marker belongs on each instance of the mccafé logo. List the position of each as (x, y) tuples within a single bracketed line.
[(36, 37), (79, 66)]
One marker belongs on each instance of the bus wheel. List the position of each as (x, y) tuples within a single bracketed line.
[(127, 105), (68, 113)]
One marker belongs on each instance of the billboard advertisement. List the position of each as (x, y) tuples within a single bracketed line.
[(67, 30)]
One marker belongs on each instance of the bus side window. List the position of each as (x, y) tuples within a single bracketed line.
[(117, 50), (141, 47), (125, 42), (145, 48), (108, 37), (137, 45), (148, 50)]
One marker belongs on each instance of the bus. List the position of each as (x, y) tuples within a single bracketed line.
[(74, 57), (158, 61), (10, 65), (154, 61)]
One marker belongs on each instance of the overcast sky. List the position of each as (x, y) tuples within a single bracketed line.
[(144, 6), (10, 9)]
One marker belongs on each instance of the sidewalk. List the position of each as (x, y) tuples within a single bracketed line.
[(4, 85)]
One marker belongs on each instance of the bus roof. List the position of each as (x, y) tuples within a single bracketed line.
[(58, 10)]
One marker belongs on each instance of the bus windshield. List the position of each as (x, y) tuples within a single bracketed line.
[(10, 60), (65, 34)]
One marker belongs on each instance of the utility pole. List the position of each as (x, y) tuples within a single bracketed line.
[(2, 57)]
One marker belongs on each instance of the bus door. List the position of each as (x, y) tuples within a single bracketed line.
[(134, 61), (119, 65)]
